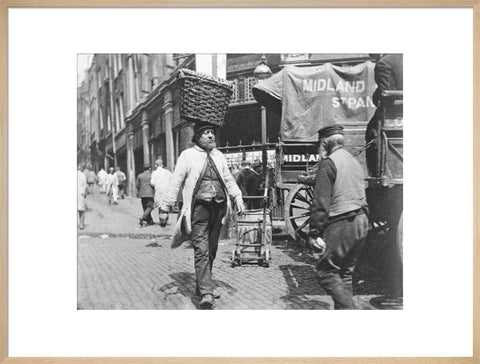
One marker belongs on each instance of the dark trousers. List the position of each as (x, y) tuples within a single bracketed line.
[(371, 154), (206, 223), (147, 204), (344, 240), (121, 189), (90, 187)]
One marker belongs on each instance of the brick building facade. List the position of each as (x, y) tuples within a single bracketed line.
[(128, 106)]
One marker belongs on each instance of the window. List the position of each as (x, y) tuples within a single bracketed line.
[(242, 89), (250, 82), (234, 98), (99, 78), (146, 85), (101, 117), (136, 75), (112, 60), (117, 64), (120, 107), (117, 117)]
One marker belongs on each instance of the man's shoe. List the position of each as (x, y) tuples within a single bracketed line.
[(141, 222), (207, 302), (215, 294)]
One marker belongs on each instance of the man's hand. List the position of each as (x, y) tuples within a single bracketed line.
[(240, 207), (317, 245)]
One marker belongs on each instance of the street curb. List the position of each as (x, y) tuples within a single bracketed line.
[(279, 236), (122, 235)]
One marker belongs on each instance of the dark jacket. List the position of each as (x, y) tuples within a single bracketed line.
[(339, 191), (249, 181), (388, 74), (144, 188)]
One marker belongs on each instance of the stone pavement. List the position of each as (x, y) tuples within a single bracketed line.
[(123, 266), (120, 220), (124, 273), (123, 219)]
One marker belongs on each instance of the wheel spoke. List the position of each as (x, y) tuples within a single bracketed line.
[(299, 216), (302, 225), (309, 193), (301, 198), (299, 207)]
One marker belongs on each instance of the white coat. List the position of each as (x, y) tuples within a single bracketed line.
[(190, 165), (102, 176), (112, 185), (81, 191), (160, 181)]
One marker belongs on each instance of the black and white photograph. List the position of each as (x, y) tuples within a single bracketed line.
[(240, 181), (240, 192)]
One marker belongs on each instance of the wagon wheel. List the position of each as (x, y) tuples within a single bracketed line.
[(297, 211)]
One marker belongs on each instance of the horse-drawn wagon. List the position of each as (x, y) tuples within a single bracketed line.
[(309, 98)]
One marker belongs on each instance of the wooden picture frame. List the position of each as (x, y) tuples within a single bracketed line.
[(5, 5)]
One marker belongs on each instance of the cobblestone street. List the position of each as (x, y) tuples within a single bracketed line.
[(123, 266)]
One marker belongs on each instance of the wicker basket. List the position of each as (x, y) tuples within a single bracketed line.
[(203, 98)]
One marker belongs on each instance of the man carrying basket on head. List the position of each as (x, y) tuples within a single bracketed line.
[(203, 219)]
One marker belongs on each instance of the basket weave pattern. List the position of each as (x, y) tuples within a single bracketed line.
[(203, 98)]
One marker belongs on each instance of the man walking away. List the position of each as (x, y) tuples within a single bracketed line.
[(122, 179), (339, 224), (159, 181), (91, 178), (208, 187), (102, 176), (145, 192), (86, 172), (81, 194), (111, 183)]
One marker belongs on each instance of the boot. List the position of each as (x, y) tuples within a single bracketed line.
[(207, 302)]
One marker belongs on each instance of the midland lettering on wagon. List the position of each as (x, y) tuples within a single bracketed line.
[(300, 158), (352, 102)]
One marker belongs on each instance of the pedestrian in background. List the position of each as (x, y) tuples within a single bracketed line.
[(159, 181), (208, 187), (122, 179), (91, 179), (81, 194), (102, 176), (249, 181), (339, 224), (111, 183), (146, 194), (235, 170), (86, 172)]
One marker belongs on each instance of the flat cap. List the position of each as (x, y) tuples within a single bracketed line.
[(330, 130), (199, 127)]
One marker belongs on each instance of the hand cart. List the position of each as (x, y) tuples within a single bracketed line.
[(254, 234)]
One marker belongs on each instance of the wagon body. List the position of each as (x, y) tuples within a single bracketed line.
[(308, 99)]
